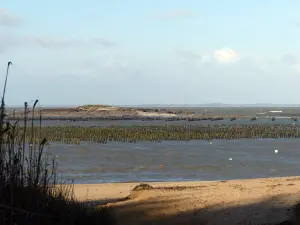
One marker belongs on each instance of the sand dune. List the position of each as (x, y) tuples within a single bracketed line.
[(253, 201)]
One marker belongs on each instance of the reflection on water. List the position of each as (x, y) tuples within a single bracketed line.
[(178, 161)]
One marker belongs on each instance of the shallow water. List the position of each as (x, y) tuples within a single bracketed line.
[(106, 123), (177, 161), (264, 115)]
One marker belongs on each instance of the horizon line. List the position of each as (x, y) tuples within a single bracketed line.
[(168, 105)]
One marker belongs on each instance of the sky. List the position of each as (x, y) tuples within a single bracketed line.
[(150, 52)]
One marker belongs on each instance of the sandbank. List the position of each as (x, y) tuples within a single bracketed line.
[(251, 201)]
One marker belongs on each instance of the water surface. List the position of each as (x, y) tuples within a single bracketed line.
[(178, 161)]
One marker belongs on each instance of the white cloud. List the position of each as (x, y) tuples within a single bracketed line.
[(58, 42), (236, 63), (9, 19), (173, 14), (106, 74), (103, 42), (226, 55), (206, 59), (289, 59), (9, 40), (296, 67), (188, 55)]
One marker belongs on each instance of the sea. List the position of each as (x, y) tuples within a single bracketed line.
[(195, 160)]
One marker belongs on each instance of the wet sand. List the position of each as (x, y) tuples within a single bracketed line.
[(251, 201)]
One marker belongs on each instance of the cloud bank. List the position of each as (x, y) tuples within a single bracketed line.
[(224, 55), (54, 42), (57, 66), (9, 19)]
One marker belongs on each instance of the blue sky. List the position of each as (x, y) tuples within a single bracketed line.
[(151, 52)]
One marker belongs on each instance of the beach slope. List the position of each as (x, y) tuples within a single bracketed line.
[(252, 201)]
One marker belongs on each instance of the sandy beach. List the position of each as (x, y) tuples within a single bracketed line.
[(252, 201)]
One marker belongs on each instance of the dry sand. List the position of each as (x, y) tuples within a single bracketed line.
[(253, 201), (116, 111), (155, 114)]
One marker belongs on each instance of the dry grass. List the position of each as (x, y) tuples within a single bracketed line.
[(29, 189)]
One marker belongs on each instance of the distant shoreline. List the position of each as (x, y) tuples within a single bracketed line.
[(217, 105), (103, 112)]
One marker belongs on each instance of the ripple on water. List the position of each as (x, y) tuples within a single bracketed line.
[(195, 160)]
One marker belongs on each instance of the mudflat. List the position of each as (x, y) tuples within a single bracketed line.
[(105, 111), (251, 201)]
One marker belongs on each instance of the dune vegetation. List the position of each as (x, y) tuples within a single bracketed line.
[(30, 191)]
